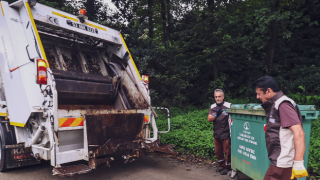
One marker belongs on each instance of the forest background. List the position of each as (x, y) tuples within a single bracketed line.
[(191, 47)]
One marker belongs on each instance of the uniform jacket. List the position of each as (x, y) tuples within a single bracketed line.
[(221, 125), (279, 140)]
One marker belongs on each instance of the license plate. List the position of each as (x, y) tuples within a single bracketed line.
[(83, 27)]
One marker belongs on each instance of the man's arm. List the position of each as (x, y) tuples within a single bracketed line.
[(299, 141), (211, 118), (298, 169)]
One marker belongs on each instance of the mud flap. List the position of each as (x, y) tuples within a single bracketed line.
[(19, 156)]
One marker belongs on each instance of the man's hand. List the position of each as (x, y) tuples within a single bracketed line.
[(218, 113), (214, 115), (298, 170)]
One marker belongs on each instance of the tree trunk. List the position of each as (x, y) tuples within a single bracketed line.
[(150, 18), (272, 37), (211, 7), (169, 17), (210, 4), (164, 22), (215, 66), (271, 44), (91, 11)]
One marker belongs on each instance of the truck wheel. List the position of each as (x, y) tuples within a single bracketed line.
[(3, 165)]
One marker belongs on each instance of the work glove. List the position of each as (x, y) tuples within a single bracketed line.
[(298, 170), (218, 113)]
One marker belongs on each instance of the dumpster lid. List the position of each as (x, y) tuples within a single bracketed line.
[(252, 109), (307, 107), (256, 109)]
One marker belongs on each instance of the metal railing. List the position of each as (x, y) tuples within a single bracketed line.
[(168, 118)]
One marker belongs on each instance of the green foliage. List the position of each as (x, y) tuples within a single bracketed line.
[(314, 151), (300, 98), (190, 130)]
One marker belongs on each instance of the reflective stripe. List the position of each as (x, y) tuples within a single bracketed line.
[(98, 27), (70, 122), (65, 16), (36, 33), (221, 160), (77, 122), (146, 118), (1, 9), (17, 124), (134, 65), (3, 114)]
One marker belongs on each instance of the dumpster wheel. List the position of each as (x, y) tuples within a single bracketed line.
[(235, 176)]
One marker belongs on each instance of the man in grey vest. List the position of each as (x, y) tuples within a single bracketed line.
[(284, 135), (221, 131)]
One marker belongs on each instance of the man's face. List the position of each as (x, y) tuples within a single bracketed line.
[(264, 97), (218, 96)]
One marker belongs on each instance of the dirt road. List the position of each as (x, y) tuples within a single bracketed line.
[(147, 167)]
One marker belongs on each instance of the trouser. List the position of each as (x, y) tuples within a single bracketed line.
[(223, 146), (277, 173)]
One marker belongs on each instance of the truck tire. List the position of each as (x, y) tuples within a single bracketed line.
[(6, 138), (3, 163)]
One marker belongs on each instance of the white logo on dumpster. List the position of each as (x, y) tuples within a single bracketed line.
[(246, 126)]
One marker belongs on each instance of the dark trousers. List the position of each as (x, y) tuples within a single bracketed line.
[(277, 173), (223, 152)]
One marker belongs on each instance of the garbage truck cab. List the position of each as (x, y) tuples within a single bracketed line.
[(69, 91)]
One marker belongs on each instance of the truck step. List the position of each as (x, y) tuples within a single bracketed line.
[(71, 170)]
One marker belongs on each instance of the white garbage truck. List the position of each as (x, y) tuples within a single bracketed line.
[(69, 91)]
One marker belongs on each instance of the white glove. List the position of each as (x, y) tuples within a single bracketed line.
[(298, 170)]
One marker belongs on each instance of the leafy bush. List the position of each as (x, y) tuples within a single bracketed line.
[(314, 151), (305, 99), (190, 131)]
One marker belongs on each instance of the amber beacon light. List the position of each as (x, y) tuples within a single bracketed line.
[(82, 12)]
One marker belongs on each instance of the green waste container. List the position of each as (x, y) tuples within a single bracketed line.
[(248, 146)]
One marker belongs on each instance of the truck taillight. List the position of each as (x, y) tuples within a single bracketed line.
[(145, 82), (41, 71), (145, 79)]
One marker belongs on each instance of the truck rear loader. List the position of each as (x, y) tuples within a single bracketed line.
[(69, 91)]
